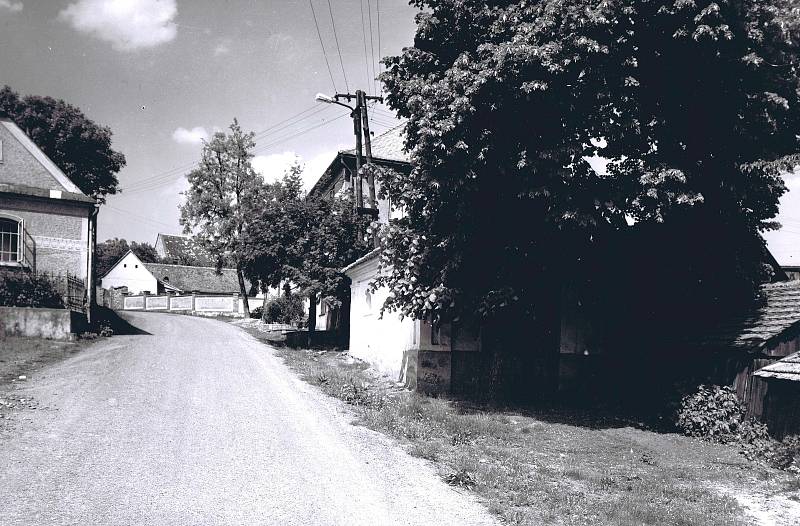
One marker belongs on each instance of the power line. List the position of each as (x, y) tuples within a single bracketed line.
[(372, 47), (264, 148), (259, 149), (378, 13), (364, 33), (146, 184), (140, 217), (336, 37), (324, 54)]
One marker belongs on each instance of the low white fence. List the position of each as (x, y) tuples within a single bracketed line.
[(232, 305)]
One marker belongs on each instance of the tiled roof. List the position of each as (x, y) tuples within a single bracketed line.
[(184, 249), (195, 279), (45, 193), (389, 145), (778, 311), (786, 369)]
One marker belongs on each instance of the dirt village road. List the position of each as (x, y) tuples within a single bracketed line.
[(198, 423)]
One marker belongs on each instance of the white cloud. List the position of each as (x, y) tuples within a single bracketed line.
[(272, 167), (128, 24), (14, 7), (196, 135)]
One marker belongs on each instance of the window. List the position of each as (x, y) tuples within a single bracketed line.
[(124, 265), (10, 232)]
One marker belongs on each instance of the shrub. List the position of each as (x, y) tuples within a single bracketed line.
[(257, 313), (711, 413), (285, 309), (21, 289)]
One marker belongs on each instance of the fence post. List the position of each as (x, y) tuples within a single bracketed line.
[(194, 297)]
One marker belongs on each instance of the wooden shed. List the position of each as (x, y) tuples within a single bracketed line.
[(781, 395)]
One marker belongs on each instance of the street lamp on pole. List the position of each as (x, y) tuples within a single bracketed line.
[(355, 113)]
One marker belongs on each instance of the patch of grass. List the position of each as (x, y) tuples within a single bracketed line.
[(537, 470)]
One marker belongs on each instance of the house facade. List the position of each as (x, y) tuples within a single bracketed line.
[(47, 224), (157, 278)]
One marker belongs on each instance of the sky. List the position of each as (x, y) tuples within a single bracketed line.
[(165, 74)]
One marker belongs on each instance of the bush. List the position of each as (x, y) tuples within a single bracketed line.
[(21, 289), (711, 413), (284, 309), (257, 313)]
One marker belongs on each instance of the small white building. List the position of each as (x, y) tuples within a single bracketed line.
[(158, 278), (423, 356)]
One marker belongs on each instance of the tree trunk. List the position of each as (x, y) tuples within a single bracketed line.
[(312, 312), (265, 290), (243, 291)]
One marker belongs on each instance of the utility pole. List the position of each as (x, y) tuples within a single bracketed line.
[(360, 125)]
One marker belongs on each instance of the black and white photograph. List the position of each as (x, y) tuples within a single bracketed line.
[(399, 262)]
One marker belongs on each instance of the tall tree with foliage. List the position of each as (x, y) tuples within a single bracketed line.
[(304, 241), (78, 145), (224, 194), (111, 250), (695, 104)]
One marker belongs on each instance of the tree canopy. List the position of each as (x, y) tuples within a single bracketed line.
[(514, 107), (304, 241), (76, 144), (224, 194)]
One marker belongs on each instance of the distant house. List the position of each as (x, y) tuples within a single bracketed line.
[(157, 278), (337, 180), (182, 250), (46, 223), (411, 351)]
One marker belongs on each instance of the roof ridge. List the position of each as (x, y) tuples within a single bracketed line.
[(183, 266)]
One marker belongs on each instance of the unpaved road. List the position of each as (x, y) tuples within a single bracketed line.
[(199, 424)]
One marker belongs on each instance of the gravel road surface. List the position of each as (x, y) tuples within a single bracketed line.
[(199, 424)]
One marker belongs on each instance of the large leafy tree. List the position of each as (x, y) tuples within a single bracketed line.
[(78, 145), (514, 107), (305, 242), (224, 194)]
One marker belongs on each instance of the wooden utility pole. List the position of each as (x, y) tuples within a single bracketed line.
[(373, 202), (360, 125)]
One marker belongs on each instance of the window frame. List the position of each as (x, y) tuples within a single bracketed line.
[(20, 241)]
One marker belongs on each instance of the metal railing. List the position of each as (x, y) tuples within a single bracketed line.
[(72, 290)]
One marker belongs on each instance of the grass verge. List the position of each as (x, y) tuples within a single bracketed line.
[(530, 468)]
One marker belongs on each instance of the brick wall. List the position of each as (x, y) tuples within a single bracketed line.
[(59, 229), (20, 167)]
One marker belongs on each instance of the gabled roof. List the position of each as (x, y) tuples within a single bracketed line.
[(389, 146), (183, 248), (59, 181), (387, 150), (195, 279), (786, 369), (777, 312), (118, 261)]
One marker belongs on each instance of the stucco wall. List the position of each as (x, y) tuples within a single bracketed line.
[(384, 343), (20, 167), (59, 230), (53, 324), (131, 273)]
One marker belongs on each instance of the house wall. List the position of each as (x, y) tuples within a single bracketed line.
[(131, 273), (429, 359), (59, 229), (387, 343), (20, 167)]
